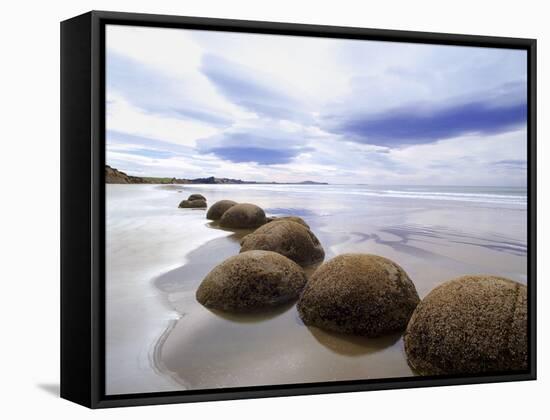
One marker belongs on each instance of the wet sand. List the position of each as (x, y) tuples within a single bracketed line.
[(191, 347), (211, 349), (146, 236)]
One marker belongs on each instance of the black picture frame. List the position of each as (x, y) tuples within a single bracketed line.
[(83, 205)]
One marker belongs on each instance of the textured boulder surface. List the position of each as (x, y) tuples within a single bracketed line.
[(359, 294), (287, 238), (243, 216), (471, 324), (216, 210), (251, 281), (295, 219), (194, 197), (192, 204)]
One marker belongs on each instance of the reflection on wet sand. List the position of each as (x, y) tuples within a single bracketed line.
[(271, 347), (407, 234), (352, 345), (249, 317)]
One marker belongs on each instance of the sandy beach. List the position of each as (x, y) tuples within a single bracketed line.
[(159, 338)]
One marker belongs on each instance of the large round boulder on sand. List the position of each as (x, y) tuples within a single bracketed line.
[(251, 281), (359, 294), (216, 210), (243, 216), (469, 325), (287, 238), (192, 204), (288, 218), (194, 197)]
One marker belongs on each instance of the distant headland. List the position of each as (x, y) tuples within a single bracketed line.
[(114, 176)]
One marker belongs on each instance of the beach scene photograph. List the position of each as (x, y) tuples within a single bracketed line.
[(293, 210)]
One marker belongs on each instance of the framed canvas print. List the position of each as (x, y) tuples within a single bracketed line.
[(254, 209)]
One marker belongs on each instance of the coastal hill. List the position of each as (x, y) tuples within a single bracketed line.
[(114, 176)]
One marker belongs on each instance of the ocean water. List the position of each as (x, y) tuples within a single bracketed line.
[(487, 195), (413, 220), (157, 255), (483, 195)]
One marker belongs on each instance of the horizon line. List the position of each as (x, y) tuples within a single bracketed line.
[(324, 182)]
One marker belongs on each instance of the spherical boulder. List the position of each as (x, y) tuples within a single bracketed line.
[(469, 325), (359, 294), (251, 281), (288, 218), (192, 204), (287, 238), (194, 197), (216, 210), (243, 216)]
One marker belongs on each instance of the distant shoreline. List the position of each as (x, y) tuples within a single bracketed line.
[(114, 176)]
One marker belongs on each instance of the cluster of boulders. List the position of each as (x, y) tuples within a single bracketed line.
[(269, 269), (473, 324), (194, 201)]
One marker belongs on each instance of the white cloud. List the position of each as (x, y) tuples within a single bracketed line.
[(174, 59), (126, 118), (169, 51)]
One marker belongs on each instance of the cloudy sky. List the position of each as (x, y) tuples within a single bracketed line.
[(277, 108)]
